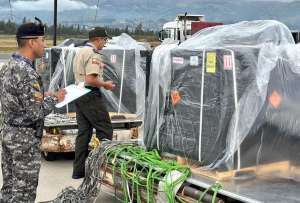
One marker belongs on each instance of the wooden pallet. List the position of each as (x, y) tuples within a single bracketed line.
[(282, 169), (126, 115), (278, 169), (59, 142)]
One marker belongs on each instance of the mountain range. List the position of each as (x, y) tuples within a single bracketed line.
[(151, 13)]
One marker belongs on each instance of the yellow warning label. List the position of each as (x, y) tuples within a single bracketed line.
[(211, 62)]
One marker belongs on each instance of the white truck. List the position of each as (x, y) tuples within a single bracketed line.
[(183, 27)]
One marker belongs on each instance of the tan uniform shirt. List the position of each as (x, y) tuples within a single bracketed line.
[(87, 61)]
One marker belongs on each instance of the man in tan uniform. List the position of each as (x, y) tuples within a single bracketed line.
[(90, 109)]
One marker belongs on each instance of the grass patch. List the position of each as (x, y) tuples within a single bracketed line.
[(8, 43)]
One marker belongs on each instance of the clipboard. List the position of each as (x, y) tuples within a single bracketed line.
[(73, 93)]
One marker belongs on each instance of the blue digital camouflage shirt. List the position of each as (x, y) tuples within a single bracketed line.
[(22, 99)]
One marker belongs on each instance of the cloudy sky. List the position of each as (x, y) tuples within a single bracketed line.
[(64, 5), (70, 5)]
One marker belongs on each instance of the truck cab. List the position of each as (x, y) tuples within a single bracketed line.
[(180, 29), (183, 27)]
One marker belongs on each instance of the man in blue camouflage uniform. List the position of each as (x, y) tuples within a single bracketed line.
[(24, 108)]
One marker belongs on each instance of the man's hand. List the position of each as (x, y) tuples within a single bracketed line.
[(109, 85), (60, 94), (94, 81), (102, 65)]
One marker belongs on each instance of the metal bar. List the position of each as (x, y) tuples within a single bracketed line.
[(196, 194), (201, 106), (193, 180), (55, 23), (115, 123), (122, 81)]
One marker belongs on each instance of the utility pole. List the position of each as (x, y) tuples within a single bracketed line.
[(55, 23)]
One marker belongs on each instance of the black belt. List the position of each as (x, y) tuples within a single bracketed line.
[(33, 126), (93, 88)]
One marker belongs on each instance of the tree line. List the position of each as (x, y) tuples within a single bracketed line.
[(9, 27)]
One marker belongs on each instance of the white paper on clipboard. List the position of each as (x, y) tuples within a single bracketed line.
[(73, 93)]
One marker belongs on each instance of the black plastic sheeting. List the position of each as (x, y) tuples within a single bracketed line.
[(275, 135), (113, 59), (179, 132)]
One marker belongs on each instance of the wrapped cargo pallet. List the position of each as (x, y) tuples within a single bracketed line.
[(210, 98), (126, 67), (124, 64), (277, 124)]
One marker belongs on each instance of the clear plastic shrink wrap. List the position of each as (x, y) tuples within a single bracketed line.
[(227, 97), (123, 64)]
